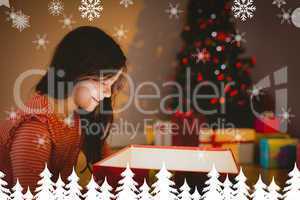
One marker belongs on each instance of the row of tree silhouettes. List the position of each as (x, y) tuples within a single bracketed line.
[(162, 189)]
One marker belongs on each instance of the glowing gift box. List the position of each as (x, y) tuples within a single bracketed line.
[(144, 159)]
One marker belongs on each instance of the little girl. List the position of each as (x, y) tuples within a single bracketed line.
[(85, 72)]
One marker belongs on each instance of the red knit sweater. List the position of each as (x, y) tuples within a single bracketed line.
[(35, 138)]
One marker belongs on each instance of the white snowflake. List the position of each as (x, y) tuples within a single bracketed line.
[(69, 121), (120, 32), (90, 9), (56, 7), (238, 38), (279, 3), (173, 11), (243, 9), (11, 14), (285, 16), (20, 21), (41, 41), (255, 91), (67, 21), (41, 141), (286, 115), (12, 114), (126, 3)]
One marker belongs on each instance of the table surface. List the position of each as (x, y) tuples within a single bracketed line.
[(252, 173)]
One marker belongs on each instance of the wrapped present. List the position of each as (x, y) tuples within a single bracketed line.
[(278, 153), (227, 135), (260, 136), (144, 159), (159, 133), (240, 141), (267, 123)]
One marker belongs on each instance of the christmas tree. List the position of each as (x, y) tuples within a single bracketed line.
[(127, 189), (45, 187), (144, 192), (59, 192), (241, 187), (196, 195), (292, 190), (227, 192), (164, 187), (106, 190), (73, 188), (274, 190), (211, 66), (93, 190), (17, 191), (4, 192), (213, 189), (259, 190), (28, 195), (185, 191)]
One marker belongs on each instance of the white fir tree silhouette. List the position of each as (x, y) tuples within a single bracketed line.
[(185, 191), (273, 190), (213, 189), (228, 192), (4, 192), (259, 190), (164, 187), (106, 191), (45, 187), (60, 191), (292, 190), (17, 191), (241, 187), (28, 195), (127, 189), (93, 190), (73, 188), (145, 192), (196, 195)]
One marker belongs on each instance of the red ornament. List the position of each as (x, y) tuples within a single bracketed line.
[(200, 77), (185, 61), (227, 88), (233, 93), (220, 77), (221, 36), (213, 100), (238, 65)]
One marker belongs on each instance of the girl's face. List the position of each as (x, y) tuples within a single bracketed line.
[(90, 90)]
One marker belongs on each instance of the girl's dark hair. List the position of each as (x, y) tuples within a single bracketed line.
[(85, 51)]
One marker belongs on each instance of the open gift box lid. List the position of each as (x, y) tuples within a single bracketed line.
[(187, 159)]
